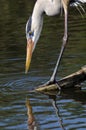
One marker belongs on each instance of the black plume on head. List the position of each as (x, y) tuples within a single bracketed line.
[(28, 25)]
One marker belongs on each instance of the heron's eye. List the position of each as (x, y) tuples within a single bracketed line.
[(31, 33)]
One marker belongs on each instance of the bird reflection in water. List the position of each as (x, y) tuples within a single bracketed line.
[(32, 125), (53, 100), (53, 96)]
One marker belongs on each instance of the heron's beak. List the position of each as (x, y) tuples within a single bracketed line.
[(28, 54)]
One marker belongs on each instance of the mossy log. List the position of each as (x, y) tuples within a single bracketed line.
[(70, 81)]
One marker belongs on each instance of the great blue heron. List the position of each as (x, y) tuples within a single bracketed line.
[(35, 22)]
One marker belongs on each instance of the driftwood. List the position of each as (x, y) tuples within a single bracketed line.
[(70, 81)]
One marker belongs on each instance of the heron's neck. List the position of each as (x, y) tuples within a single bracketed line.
[(37, 21), (38, 9)]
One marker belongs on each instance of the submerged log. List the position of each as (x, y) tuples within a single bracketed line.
[(70, 81)]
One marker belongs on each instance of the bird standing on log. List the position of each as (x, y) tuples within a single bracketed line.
[(35, 23)]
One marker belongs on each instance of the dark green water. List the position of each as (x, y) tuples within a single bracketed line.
[(15, 85)]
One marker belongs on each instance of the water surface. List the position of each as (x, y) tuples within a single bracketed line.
[(15, 85)]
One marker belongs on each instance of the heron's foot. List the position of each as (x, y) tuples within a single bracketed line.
[(50, 82), (58, 87)]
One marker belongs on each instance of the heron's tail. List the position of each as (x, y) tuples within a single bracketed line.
[(79, 5), (77, 1)]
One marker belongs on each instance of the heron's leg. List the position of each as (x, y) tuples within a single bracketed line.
[(65, 37)]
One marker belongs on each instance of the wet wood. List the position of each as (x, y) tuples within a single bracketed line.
[(70, 81)]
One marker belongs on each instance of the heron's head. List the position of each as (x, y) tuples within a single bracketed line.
[(33, 30)]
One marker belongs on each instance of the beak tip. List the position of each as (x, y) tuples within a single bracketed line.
[(26, 71)]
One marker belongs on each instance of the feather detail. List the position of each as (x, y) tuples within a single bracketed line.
[(79, 5)]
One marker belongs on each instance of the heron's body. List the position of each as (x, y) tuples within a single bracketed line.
[(50, 7), (35, 23)]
